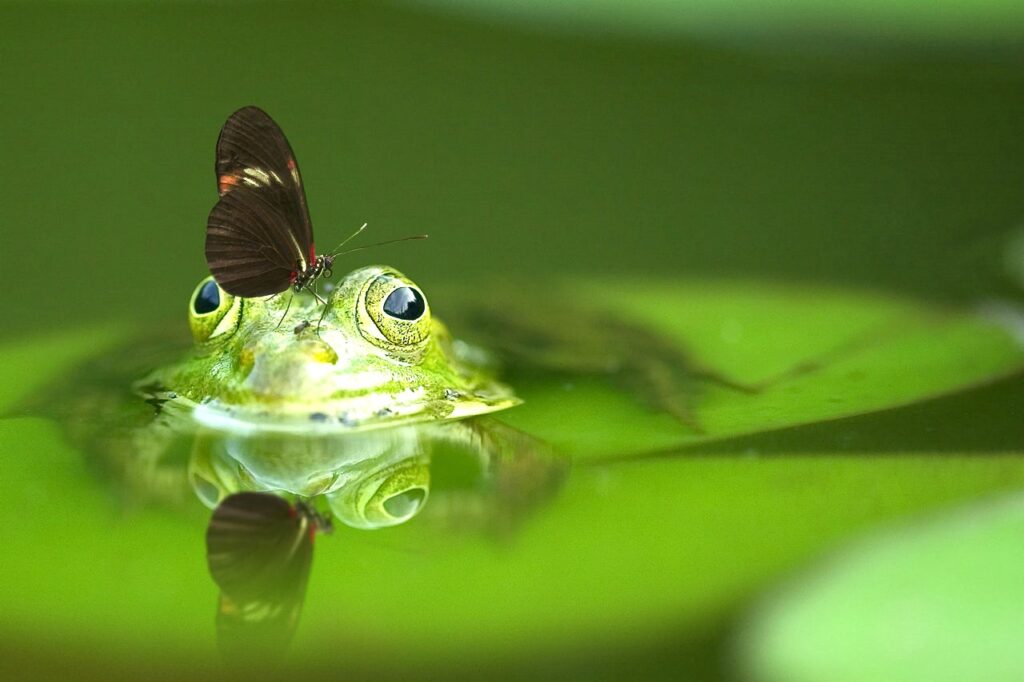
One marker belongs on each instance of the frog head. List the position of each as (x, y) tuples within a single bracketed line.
[(369, 354)]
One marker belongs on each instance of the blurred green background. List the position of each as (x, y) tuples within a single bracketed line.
[(876, 143), (870, 144)]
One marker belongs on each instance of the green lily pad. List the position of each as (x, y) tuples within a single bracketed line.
[(819, 354), (935, 601)]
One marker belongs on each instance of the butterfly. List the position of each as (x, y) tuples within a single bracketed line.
[(259, 550), (259, 238)]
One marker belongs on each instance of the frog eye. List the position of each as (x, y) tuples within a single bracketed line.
[(399, 317), (212, 311), (405, 303), (207, 298)]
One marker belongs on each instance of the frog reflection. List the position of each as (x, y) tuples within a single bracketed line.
[(382, 477), (260, 555), (369, 480)]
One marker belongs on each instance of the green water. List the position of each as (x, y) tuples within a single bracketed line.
[(527, 151)]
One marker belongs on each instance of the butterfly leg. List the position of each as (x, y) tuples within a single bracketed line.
[(286, 309), (323, 303), (317, 296), (318, 322)]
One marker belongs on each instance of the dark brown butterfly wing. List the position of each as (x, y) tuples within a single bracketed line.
[(258, 546), (259, 550), (256, 632), (259, 233), (248, 251)]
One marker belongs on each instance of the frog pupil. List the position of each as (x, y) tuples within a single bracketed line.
[(405, 303), (208, 299)]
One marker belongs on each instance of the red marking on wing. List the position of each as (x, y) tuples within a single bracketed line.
[(225, 183), (293, 276), (291, 164), (312, 254)]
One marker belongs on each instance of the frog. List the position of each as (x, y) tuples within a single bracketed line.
[(376, 358)]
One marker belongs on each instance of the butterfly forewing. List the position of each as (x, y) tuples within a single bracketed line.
[(259, 234)]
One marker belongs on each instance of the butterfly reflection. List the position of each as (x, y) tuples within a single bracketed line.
[(259, 549)]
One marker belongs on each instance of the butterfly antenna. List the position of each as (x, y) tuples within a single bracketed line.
[(335, 250), (389, 241)]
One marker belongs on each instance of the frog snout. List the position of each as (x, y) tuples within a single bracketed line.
[(307, 350), (296, 370), (319, 350)]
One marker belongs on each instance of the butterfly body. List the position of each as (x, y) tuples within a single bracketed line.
[(320, 266)]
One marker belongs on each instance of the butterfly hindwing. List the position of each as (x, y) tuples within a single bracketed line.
[(248, 253)]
